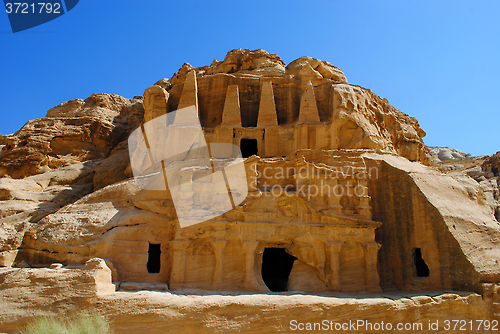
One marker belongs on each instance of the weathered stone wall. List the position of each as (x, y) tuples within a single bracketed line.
[(331, 235), (69, 200), (421, 208)]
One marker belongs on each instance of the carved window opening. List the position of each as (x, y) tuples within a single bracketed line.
[(248, 147), (421, 267), (276, 267), (154, 258)]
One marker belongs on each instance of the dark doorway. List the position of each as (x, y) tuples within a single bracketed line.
[(154, 258), (276, 267), (248, 147), (420, 265)]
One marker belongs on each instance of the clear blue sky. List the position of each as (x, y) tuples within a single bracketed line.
[(437, 61)]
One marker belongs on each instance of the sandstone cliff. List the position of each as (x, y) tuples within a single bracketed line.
[(358, 117), (67, 196), (479, 170)]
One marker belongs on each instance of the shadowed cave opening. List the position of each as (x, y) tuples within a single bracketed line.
[(154, 258), (420, 265), (248, 147), (276, 267)]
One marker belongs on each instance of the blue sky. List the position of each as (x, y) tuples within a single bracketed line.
[(437, 61)]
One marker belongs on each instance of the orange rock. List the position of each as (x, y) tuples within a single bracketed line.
[(67, 197)]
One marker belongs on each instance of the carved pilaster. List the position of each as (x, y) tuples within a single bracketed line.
[(178, 271), (334, 249), (372, 278), (219, 262), (319, 249), (364, 208), (335, 196), (251, 283)]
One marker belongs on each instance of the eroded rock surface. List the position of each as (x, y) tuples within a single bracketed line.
[(70, 292), (480, 175), (75, 131), (67, 197), (441, 154), (349, 116)]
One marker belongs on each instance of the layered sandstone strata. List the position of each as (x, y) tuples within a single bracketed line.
[(66, 292)]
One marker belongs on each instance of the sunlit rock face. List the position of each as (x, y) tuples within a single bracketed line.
[(338, 193)]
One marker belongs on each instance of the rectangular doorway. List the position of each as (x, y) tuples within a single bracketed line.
[(248, 147)]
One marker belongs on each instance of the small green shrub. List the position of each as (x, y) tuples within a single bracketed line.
[(91, 324)]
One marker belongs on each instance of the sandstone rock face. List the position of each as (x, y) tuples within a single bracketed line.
[(58, 158), (441, 154), (155, 102), (314, 68), (438, 220), (63, 292), (113, 169), (28, 200), (338, 198), (481, 179), (258, 63), (118, 216), (489, 179), (75, 131), (492, 164), (70, 290), (350, 117), (491, 189)]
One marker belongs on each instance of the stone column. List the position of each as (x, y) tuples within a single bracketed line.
[(320, 252), (251, 283), (178, 268), (372, 280), (335, 196), (350, 193), (364, 208), (334, 277), (219, 262)]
